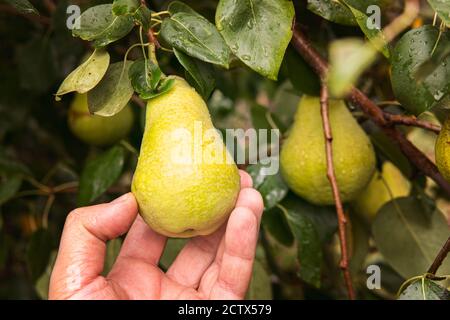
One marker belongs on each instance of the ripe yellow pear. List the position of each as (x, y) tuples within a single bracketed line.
[(442, 150), (303, 157), (383, 187), (97, 130), (186, 183)]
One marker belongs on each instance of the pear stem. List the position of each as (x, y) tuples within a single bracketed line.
[(342, 220)]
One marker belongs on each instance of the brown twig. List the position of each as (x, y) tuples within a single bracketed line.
[(398, 119), (50, 5), (415, 156), (342, 220), (440, 258), (138, 101), (45, 21)]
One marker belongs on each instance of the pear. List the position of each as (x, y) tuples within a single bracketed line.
[(97, 130), (383, 187), (303, 157), (186, 183), (442, 150)]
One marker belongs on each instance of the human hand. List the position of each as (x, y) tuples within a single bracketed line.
[(217, 266)]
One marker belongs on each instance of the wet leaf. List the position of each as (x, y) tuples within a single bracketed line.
[(196, 36), (100, 25), (200, 74), (123, 7), (258, 33), (413, 49), (272, 187), (309, 247)]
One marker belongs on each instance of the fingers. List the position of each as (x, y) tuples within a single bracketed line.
[(192, 262), (229, 276), (246, 179), (236, 261), (142, 243), (82, 248)]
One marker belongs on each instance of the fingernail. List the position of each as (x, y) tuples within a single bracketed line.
[(120, 199)]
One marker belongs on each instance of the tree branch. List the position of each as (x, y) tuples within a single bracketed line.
[(415, 156), (440, 258), (45, 21), (397, 119), (342, 220)]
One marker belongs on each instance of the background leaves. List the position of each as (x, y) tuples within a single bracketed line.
[(99, 174)]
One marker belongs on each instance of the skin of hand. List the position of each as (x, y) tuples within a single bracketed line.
[(217, 266)]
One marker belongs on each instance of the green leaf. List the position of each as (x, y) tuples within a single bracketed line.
[(38, 252), (258, 32), (201, 74), (144, 78), (165, 86), (285, 103), (260, 287), (23, 6), (413, 49), (440, 54), (11, 166), (197, 37), (143, 16), (409, 237), (178, 6), (123, 7), (100, 25), (442, 8), (272, 187), (274, 221), (323, 217), (99, 174), (43, 283), (112, 251), (309, 247), (332, 10), (87, 75), (304, 80), (113, 92), (171, 250), (349, 58), (424, 290), (9, 187), (375, 36)]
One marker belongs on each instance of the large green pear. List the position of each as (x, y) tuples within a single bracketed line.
[(383, 187), (442, 150), (97, 130), (303, 157), (186, 183)]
